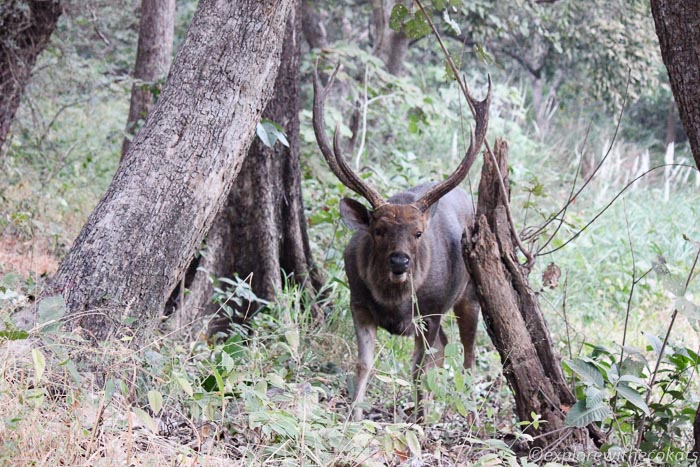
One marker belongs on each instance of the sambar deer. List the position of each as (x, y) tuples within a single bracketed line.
[(404, 261)]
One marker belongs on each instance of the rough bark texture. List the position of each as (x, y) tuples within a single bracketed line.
[(696, 430), (678, 27), (25, 29), (153, 55), (261, 232), (179, 169), (512, 315)]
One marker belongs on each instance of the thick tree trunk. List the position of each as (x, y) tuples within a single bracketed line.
[(261, 232), (512, 315), (678, 27), (696, 430), (25, 29), (179, 169), (153, 55)]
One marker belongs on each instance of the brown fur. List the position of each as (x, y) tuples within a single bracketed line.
[(436, 280)]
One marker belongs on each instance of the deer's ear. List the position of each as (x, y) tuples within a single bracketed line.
[(433, 209), (428, 215), (354, 214)]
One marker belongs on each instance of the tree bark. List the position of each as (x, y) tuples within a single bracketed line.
[(261, 232), (512, 314), (312, 24), (678, 27), (391, 46), (25, 29), (153, 55), (696, 429), (178, 171)]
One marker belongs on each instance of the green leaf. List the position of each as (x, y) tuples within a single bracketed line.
[(228, 363), (633, 397), (219, 381), (417, 26), (687, 308), (451, 23), (155, 400), (413, 443), (459, 406), (270, 132), (266, 138), (655, 342), (483, 55), (673, 283), (633, 379), (594, 396), (11, 333), (146, 419), (51, 310), (110, 389), (292, 338), (439, 4), (234, 347), (39, 365), (587, 372), (184, 384), (398, 13), (580, 415)]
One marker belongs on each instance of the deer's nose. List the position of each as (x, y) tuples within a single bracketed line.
[(399, 262)]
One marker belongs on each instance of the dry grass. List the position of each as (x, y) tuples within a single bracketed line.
[(26, 257), (56, 423)]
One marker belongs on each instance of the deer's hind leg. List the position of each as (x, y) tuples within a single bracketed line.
[(467, 313)]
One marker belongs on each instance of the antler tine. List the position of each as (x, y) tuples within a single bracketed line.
[(334, 157), (320, 93), (361, 187), (481, 115)]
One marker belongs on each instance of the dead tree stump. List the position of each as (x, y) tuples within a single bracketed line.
[(513, 317)]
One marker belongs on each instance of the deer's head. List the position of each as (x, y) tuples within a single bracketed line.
[(396, 230)]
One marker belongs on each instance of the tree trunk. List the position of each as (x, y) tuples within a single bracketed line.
[(389, 45), (261, 232), (312, 24), (178, 171), (678, 27), (155, 50), (25, 29), (696, 430), (512, 315)]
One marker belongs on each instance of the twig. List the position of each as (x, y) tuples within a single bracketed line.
[(528, 255), (597, 168), (610, 204), (566, 321), (568, 201), (364, 125)]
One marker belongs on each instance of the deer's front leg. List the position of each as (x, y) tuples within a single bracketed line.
[(366, 332), (433, 337)]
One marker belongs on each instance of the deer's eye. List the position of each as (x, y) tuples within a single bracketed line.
[(418, 234), (378, 232)]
